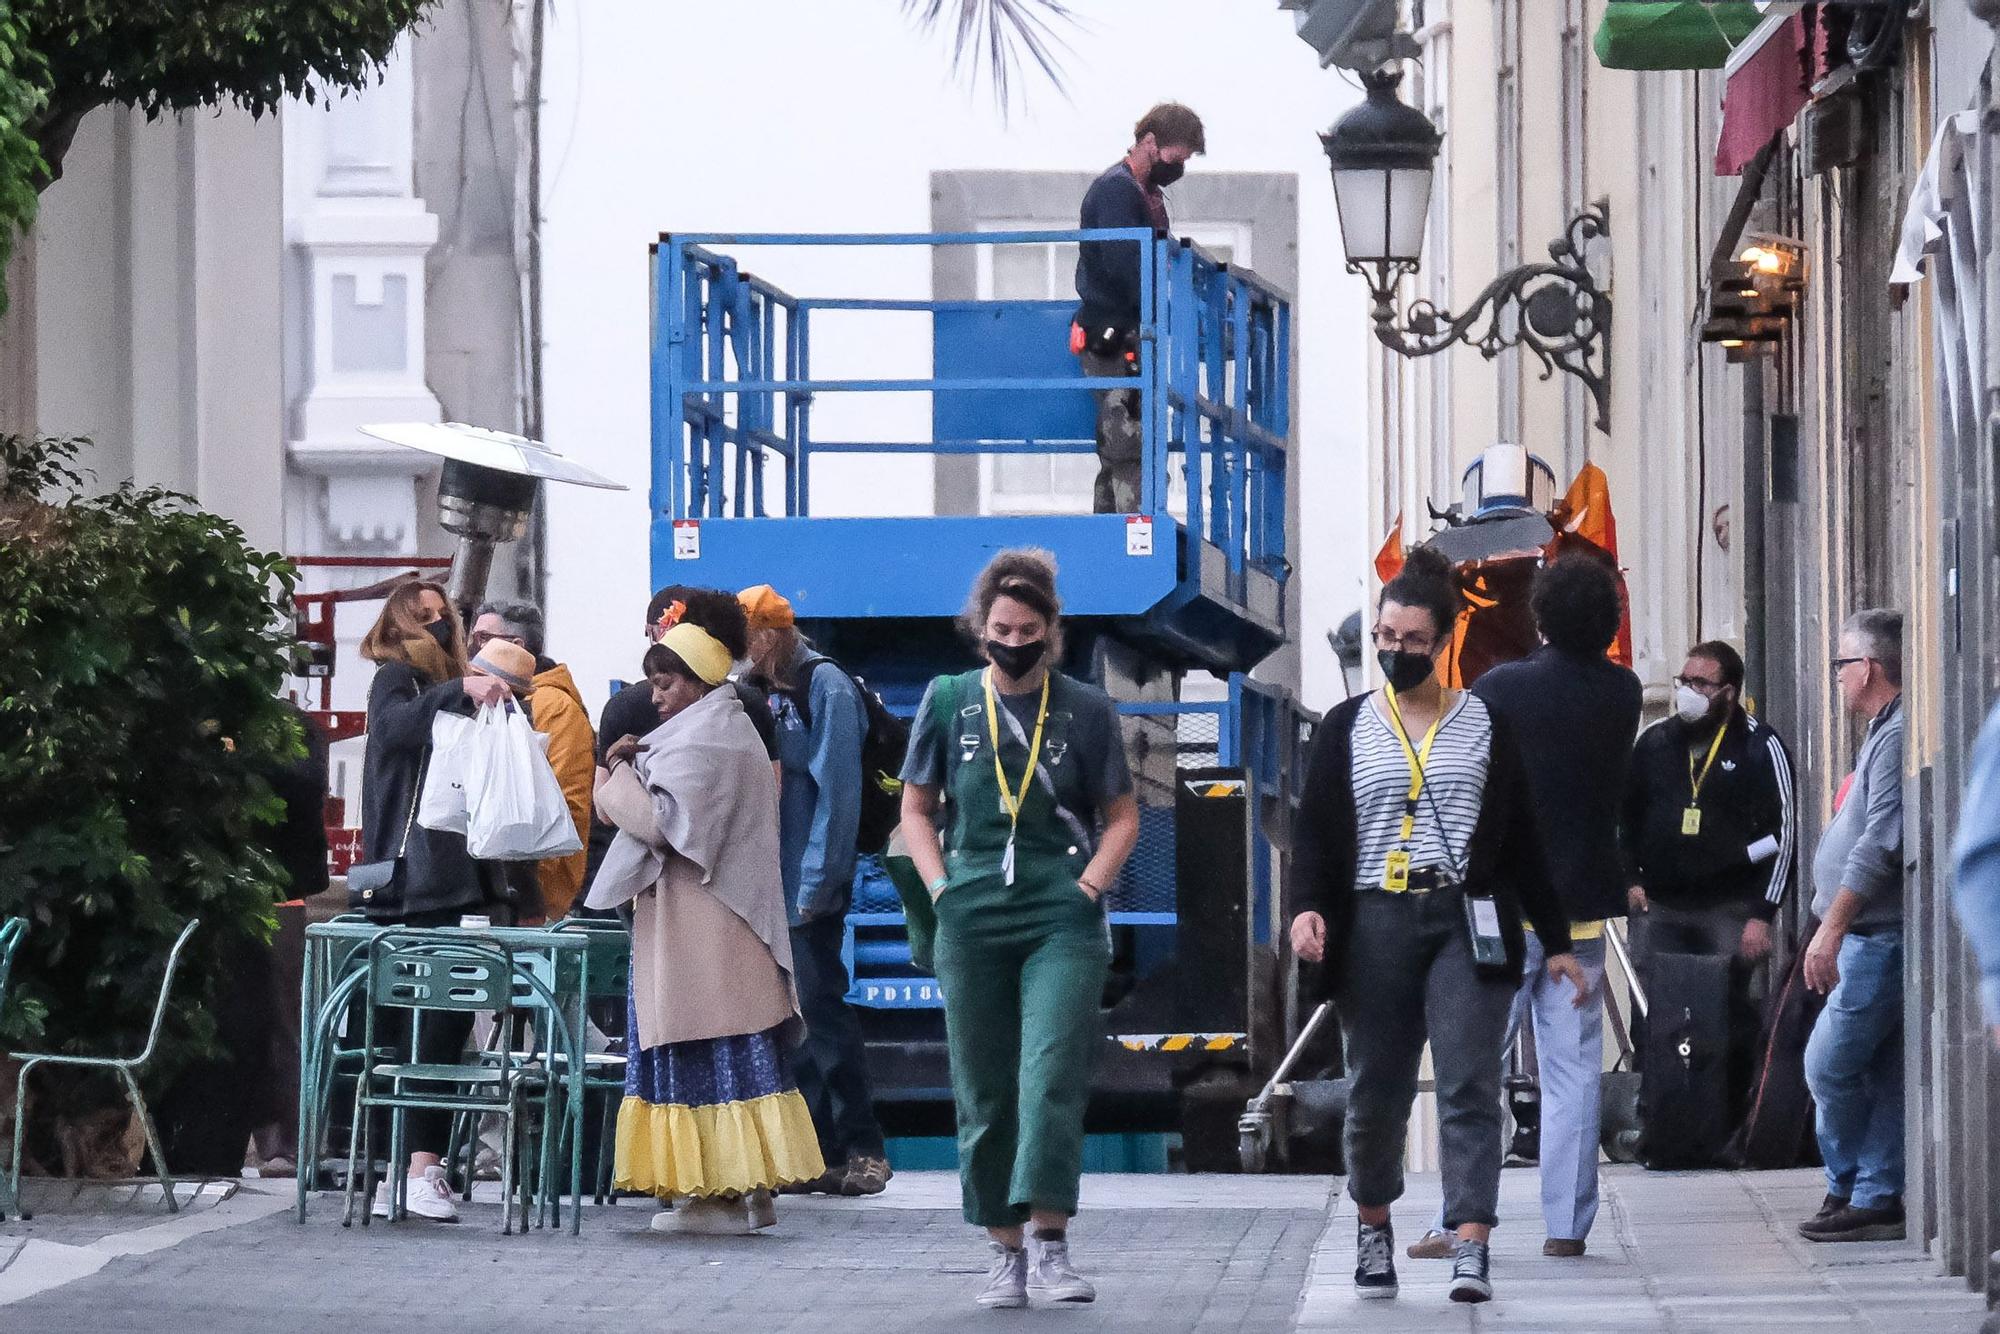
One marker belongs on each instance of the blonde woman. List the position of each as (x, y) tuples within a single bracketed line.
[(421, 877)]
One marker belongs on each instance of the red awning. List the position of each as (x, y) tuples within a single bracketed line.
[(1765, 94)]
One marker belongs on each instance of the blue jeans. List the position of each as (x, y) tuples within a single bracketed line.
[(1854, 1067)]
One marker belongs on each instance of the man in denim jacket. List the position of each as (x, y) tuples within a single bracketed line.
[(1978, 855)]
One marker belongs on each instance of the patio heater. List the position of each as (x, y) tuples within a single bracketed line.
[(486, 490)]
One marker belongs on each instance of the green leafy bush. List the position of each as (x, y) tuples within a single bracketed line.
[(142, 646)]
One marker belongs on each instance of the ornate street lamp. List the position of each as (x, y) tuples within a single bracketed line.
[(1384, 155)]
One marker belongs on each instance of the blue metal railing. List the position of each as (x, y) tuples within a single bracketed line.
[(734, 388)]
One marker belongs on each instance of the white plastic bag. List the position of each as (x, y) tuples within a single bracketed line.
[(442, 806), (514, 805)]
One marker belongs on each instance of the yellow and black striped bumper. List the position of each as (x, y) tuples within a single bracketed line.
[(1180, 1041)]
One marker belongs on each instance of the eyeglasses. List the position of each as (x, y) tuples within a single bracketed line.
[(1839, 663), (1385, 639), (481, 639), (1701, 683)]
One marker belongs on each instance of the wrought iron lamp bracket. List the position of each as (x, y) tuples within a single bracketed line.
[(1554, 310)]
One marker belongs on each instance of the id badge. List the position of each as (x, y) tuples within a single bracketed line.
[(1396, 873), (1482, 920), (1691, 821)]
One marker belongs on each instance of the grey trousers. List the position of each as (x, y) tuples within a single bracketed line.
[(1120, 439), (1410, 978)]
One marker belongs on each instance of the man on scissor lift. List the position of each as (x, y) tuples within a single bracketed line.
[(1105, 335)]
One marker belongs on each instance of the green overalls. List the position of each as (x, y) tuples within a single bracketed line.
[(1022, 966)]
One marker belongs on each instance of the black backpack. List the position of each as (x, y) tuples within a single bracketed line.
[(883, 746)]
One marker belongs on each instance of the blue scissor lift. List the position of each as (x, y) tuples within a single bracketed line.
[(1192, 583)]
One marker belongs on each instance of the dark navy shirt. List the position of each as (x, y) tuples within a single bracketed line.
[(1107, 272), (1574, 720)]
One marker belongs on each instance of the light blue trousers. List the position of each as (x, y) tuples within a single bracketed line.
[(1569, 1052)]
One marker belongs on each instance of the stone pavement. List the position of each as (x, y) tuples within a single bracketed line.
[(1686, 1252), (1683, 1253), (1168, 1253)]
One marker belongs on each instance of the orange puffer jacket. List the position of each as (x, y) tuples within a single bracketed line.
[(558, 711)]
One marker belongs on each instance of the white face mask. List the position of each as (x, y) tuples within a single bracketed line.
[(1690, 704)]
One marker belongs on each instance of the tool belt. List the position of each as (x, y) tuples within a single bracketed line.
[(1107, 340)]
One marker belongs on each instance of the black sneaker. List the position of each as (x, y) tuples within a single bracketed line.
[(1470, 1273), (1832, 1205), (1375, 1262), (1851, 1224)]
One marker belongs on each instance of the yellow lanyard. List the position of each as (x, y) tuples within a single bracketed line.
[(1694, 783), (1417, 758), (1010, 799)]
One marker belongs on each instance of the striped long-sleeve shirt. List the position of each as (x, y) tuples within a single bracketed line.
[(1745, 849)]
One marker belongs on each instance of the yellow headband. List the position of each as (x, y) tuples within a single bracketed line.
[(700, 650)]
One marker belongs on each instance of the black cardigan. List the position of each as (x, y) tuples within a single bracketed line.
[(439, 874), (1504, 859)]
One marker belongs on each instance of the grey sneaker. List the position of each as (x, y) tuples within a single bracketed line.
[(1471, 1278), (1007, 1285), (1375, 1262), (1052, 1278)]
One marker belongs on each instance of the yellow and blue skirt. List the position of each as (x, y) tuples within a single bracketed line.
[(722, 1116)]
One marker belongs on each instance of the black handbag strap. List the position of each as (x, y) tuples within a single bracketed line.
[(416, 795)]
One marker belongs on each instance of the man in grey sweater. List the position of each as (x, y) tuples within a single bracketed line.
[(1854, 1061)]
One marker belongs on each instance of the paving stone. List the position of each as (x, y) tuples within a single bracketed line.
[(831, 1267), (1686, 1252)]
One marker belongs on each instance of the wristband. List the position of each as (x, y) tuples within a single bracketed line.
[(936, 886)]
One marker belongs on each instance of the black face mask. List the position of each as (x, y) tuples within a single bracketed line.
[(1163, 174), (1016, 660), (440, 630), (1404, 670)]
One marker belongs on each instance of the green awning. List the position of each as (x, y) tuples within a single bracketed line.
[(1672, 34)]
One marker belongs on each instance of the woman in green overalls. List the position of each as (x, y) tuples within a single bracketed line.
[(1023, 763)]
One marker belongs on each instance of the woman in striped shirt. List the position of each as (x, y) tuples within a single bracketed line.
[(1417, 859)]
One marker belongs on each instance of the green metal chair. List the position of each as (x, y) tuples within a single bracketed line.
[(127, 1068), (416, 971), (11, 932), (326, 1063), (544, 1041), (610, 971)]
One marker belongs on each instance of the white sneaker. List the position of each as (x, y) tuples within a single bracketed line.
[(1051, 1276), (1007, 1284), (704, 1216), (429, 1196)]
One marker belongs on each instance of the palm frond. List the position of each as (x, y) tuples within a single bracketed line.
[(1000, 39)]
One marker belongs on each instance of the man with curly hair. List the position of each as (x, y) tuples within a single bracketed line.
[(1574, 715)]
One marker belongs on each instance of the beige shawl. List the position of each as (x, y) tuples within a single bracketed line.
[(697, 856)]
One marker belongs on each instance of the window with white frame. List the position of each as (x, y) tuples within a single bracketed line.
[(1062, 483)]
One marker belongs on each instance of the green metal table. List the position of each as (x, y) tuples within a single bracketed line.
[(332, 974)]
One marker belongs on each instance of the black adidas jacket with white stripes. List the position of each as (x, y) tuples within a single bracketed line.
[(1744, 854)]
